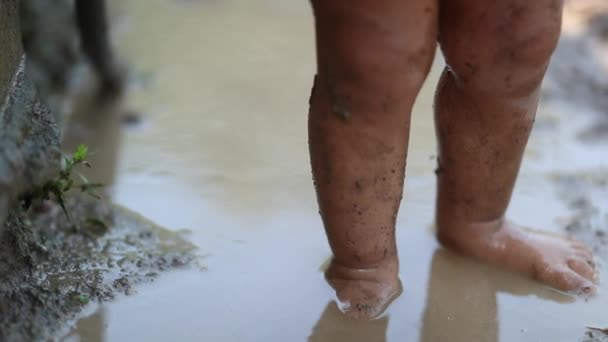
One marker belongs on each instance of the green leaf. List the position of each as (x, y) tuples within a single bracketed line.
[(84, 179), (80, 154), (82, 299), (58, 188)]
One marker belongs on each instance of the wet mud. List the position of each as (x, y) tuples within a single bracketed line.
[(585, 195), (578, 70), (594, 334), (57, 268)]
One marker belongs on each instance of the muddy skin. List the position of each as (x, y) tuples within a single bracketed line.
[(358, 160), (483, 124), (584, 192), (372, 61)]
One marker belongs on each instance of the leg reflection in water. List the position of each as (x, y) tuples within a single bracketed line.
[(461, 302), (462, 299), (334, 326)]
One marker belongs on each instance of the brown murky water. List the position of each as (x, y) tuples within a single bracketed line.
[(222, 152)]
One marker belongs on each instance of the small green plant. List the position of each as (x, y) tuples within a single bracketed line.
[(81, 299), (57, 188)]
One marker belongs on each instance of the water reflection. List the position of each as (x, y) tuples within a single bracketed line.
[(90, 329), (98, 126), (462, 303), (333, 326), (213, 126)]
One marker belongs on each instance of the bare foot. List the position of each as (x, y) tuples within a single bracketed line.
[(553, 260), (365, 293)]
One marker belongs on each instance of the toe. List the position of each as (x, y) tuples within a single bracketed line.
[(567, 280), (577, 243), (585, 255), (580, 248), (584, 267)]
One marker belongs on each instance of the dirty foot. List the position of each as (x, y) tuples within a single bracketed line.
[(561, 263), (364, 293)]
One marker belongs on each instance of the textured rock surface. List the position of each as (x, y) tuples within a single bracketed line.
[(11, 51), (29, 138)]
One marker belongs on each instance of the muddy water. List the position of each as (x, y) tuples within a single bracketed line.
[(221, 153)]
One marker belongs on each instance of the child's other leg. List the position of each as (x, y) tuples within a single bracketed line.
[(497, 53), (92, 20), (372, 58)]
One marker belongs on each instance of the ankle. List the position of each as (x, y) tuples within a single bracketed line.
[(383, 269), (458, 234)]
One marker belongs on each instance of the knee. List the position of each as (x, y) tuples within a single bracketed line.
[(373, 45), (508, 56)]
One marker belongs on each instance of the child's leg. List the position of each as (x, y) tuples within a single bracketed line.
[(372, 57), (497, 52), (92, 21)]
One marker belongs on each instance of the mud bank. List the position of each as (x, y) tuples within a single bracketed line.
[(50, 269), (29, 142)]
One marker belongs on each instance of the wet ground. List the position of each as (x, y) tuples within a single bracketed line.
[(53, 269), (212, 140)]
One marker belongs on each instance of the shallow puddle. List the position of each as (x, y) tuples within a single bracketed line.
[(221, 151)]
